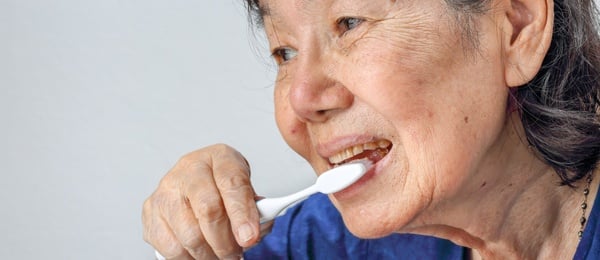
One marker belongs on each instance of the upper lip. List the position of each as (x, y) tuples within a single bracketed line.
[(337, 145)]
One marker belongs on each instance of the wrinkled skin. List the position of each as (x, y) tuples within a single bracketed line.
[(199, 203), (401, 75), (353, 72)]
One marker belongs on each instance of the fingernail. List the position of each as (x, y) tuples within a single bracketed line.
[(245, 233)]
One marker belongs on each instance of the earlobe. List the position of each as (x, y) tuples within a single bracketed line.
[(527, 39)]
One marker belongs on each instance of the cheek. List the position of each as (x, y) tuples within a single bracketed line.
[(408, 61), (402, 87), (420, 78), (293, 131), (447, 108)]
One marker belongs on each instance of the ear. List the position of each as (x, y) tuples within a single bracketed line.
[(528, 37)]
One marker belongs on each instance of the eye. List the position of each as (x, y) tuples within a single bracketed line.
[(284, 54), (345, 24)]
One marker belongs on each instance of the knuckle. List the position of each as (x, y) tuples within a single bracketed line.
[(174, 251), (198, 248), (222, 148), (191, 242), (147, 207), (203, 254), (161, 202), (210, 209), (234, 181), (192, 163), (226, 251)]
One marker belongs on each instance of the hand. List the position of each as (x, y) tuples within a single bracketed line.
[(204, 208)]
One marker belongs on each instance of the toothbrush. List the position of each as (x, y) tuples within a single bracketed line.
[(331, 181)]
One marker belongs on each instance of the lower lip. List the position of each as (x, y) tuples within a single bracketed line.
[(356, 187)]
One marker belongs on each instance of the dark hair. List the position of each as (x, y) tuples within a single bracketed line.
[(559, 107), (255, 13)]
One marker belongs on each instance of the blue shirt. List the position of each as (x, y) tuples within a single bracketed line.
[(314, 230)]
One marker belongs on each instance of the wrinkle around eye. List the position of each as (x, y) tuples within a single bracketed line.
[(361, 32), (348, 23)]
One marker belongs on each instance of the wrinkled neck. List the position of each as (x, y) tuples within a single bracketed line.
[(512, 206)]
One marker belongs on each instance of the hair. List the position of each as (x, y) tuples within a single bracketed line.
[(559, 107)]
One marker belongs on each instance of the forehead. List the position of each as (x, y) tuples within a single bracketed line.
[(309, 9), (288, 14), (279, 7), (275, 7)]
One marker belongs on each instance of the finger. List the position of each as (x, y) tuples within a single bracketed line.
[(159, 256), (185, 227), (233, 182), (265, 228), (210, 213), (158, 234)]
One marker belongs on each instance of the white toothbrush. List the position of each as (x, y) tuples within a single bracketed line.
[(331, 181)]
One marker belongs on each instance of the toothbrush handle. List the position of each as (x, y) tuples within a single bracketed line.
[(270, 208)]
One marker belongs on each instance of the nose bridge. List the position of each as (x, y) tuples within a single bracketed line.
[(314, 92)]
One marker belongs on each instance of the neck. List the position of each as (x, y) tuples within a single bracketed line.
[(513, 208)]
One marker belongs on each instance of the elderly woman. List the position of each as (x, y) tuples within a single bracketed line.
[(479, 116)]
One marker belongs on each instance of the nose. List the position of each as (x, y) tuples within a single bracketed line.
[(315, 94)]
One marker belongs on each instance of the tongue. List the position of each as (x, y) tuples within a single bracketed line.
[(371, 155)]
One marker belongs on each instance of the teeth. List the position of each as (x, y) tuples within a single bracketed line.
[(384, 143), (370, 146), (358, 149)]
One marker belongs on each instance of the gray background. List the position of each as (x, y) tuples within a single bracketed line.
[(100, 98)]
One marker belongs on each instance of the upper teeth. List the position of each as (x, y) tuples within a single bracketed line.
[(357, 149)]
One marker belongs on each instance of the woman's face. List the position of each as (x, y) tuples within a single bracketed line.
[(397, 83)]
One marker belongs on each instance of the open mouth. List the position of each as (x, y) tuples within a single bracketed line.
[(372, 151)]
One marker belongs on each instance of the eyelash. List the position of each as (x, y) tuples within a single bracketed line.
[(281, 54), (344, 25)]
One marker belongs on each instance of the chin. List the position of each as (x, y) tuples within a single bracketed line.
[(368, 226)]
